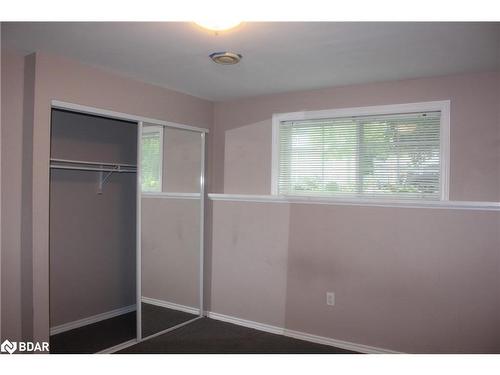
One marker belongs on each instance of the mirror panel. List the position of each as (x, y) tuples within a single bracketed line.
[(171, 170)]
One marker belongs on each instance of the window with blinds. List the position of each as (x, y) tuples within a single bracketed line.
[(394, 156), (152, 158)]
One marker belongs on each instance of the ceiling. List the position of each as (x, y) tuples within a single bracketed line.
[(277, 56)]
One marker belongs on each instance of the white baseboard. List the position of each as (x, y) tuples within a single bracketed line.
[(360, 348), (245, 323), (171, 305), (90, 320), (301, 335)]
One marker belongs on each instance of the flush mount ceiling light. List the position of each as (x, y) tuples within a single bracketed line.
[(217, 25), (226, 58)]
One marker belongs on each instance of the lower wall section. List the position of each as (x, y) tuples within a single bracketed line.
[(92, 245), (409, 280), (413, 280), (249, 261), (171, 250)]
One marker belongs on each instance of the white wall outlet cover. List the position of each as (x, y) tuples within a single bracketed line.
[(330, 299)]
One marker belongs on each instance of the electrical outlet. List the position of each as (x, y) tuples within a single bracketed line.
[(330, 298)]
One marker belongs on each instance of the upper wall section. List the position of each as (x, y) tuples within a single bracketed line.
[(92, 138), (242, 138), (181, 161), (71, 81)]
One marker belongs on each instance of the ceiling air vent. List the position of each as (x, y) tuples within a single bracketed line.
[(226, 58)]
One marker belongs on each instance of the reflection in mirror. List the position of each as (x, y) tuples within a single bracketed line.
[(171, 166)]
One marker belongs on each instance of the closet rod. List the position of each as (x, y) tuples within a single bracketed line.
[(118, 169), (68, 161)]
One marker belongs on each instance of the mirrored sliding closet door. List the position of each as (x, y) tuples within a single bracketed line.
[(171, 179)]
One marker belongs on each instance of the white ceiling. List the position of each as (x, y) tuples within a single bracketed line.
[(277, 57)]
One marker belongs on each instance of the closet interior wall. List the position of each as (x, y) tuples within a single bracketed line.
[(92, 235)]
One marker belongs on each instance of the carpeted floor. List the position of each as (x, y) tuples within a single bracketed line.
[(156, 319), (95, 337), (208, 336), (204, 336)]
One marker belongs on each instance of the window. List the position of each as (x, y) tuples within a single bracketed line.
[(395, 152), (152, 158)]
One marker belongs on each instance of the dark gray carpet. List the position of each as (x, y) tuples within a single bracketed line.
[(204, 336), (208, 336), (95, 337), (156, 319)]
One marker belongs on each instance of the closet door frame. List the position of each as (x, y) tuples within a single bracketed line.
[(140, 120)]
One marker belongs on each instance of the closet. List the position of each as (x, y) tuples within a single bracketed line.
[(126, 228), (93, 181)]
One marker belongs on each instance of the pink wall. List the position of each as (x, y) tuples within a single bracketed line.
[(242, 139), (11, 138), (181, 161), (171, 250), (415, 280), (411, 280), (92, 245), (249, 261)]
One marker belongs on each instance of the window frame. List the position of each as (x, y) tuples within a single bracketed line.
[(444, 137), (154, 129)]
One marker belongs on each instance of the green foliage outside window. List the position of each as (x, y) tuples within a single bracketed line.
[(380, 155), (151, 161)]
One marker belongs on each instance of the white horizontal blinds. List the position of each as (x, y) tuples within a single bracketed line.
[(396, 156), (151, 158)]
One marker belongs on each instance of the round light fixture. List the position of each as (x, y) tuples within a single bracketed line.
[(217, 25), (226, 58)]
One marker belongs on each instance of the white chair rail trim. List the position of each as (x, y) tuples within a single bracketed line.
[(170, 195), (455, 205)]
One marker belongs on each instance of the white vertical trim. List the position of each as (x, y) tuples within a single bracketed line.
[(441, 105), (1, 189), (138, 251), (202, 222), (275, 154), (359, 156), (444, 138), (155, 129), (162, 155)]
